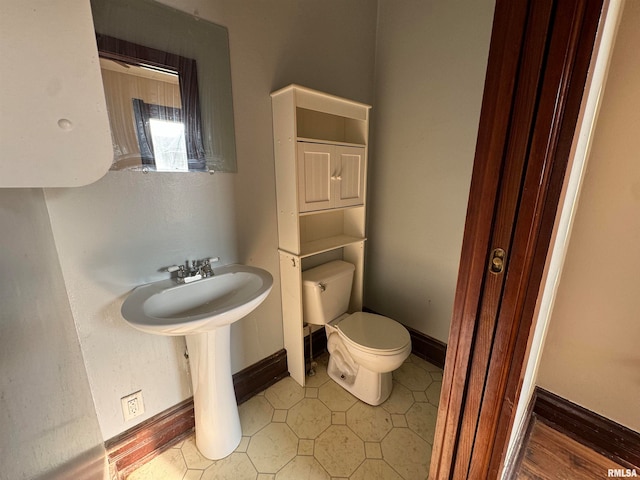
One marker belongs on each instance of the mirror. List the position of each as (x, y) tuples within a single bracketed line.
[(154, 108), (167, 82)]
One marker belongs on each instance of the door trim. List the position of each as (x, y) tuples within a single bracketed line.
[(523, 105)]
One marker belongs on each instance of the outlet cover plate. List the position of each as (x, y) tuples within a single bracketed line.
[(132, 405)]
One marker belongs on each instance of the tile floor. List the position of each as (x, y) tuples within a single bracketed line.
[(321, 432)]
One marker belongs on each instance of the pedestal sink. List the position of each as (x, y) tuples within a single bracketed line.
[(203, 311)]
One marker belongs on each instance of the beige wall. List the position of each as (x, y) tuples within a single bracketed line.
[(46, 414), (325, 45), (431, 58), (591, 355)]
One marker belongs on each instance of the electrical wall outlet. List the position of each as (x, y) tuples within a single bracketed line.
[(132, 405)]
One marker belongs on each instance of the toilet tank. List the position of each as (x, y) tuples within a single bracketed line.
[(326, 290)]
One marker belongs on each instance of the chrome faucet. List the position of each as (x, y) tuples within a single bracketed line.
[(199, 269)]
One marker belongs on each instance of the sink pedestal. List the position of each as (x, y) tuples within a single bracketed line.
[(203, 311), (218, 430)]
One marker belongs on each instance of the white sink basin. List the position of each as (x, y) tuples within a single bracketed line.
[(203, 311), (169, 308)]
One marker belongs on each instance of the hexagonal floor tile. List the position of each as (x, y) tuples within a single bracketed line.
[(309, 418), (236, 466), (335, 397), (193, 475), (299, 468), (400, 399), (192, 455), (339, 451), (421, 418), (375, 470), (321, 377), (272, 447), (428, 366), (284, 394), (255, 414), (433, 393), (371, 424), (168, 465), (407, 453), (412, 376)]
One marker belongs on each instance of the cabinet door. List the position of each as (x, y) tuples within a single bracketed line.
[(315, 169), (349, 176)]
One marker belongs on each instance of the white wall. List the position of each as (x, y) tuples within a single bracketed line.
[(117, 233), (591, 353), (46, 413), (431, 60)]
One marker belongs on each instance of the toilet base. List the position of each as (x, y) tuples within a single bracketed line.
[(370, 387)]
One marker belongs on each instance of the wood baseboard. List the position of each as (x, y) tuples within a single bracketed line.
[(146, 440), (605, 436), (141, 443), (428, 348), (255, 378)]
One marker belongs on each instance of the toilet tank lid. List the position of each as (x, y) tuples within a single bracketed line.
[(327, 272)]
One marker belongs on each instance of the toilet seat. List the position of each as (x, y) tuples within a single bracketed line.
[(373, 333)]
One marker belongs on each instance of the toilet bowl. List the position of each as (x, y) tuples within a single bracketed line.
[(364, 348)]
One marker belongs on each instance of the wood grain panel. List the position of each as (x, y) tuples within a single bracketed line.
[(605, 436), (538, 61), (568, 61), (508, 28), (551, 455)]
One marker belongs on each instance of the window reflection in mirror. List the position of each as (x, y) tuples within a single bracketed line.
[(204, 74), (153, 105)]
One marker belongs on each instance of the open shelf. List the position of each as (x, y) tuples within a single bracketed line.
[(329, 142), (330, 210), (331, 128), (329, 243)]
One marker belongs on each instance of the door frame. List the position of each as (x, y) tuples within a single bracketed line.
[(538, 63)]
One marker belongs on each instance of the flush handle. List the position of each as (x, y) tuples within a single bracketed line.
[(496, 265)]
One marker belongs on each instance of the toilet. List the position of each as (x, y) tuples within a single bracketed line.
[(364, 348)]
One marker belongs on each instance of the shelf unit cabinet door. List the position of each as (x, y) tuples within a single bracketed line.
[(315, 169), (350, 176)]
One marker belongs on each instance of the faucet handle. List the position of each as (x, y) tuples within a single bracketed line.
[(177, 268), (205, 266)]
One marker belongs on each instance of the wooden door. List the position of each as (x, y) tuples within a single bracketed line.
[(538, 61), (349, 179), (315, 169)]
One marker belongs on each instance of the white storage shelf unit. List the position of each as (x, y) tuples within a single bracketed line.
[(320, 146)]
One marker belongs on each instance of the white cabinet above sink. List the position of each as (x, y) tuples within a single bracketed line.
[(54, 128)]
